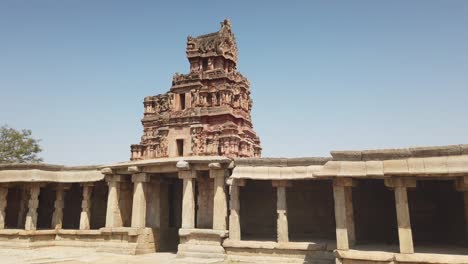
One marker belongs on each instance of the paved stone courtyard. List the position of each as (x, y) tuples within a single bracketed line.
[(77, 255)]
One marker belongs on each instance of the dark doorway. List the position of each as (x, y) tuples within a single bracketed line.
[(72, 207), (46, 207)]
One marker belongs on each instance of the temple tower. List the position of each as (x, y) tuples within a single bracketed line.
[(206, 112)]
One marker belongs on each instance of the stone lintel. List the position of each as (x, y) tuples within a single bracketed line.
[(187, 174), (115, 178), (281, 183), (400, 182), (106, 171), (134, 169), (140, 177), (344, 182)]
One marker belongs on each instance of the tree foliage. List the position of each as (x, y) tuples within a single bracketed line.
[(18, 146)]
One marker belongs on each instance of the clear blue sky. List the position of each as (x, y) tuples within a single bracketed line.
[(325, 75)]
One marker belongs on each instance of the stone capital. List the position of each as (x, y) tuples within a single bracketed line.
[(400, 182), (237, 182), (106, 171), (140, 177), (187, 174), (214, 173), (183, 165), (87, 184), (344, 182), (115, 178), (134, 169), (281, 183)]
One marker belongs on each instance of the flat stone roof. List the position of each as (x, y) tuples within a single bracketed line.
[(400, 153), (174, 160), (282, 162), (46, 167)]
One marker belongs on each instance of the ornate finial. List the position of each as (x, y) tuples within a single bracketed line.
[(226, 23)]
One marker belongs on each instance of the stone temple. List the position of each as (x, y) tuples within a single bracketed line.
[(196, 185)]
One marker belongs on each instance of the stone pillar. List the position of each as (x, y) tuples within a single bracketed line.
[(57, 217), (219, 199), (234, 216), (281, 209), (33, 204), (3, 204), (188, 197), (342, 217), (113, 214), (405, 235), (85, 215), (139, 199), (350, 215)]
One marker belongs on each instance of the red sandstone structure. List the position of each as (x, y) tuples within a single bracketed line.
[(206, 112)]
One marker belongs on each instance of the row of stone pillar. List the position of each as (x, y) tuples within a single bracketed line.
[(33, 203), (188, 175), (345, 229)]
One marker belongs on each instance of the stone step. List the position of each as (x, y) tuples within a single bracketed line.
[(190, 260), (216, 249), (201, 255), (262, 259)]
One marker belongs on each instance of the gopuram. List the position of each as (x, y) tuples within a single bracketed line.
[(206, 112), (196, 185)]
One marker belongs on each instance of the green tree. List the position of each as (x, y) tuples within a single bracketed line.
[(18, 146)]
